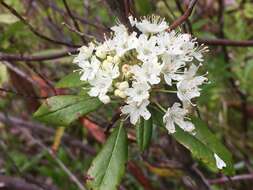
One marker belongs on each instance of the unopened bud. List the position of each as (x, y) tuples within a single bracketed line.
[(117, 84), (122, 94), (109, 58), (116, 59), (106, 63), (101, 54), (123, 85), (117, 92), (105, 99)]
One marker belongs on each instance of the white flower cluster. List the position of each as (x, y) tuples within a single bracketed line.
[(131, 65)]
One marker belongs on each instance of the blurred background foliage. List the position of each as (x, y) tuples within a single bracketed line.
[(226, 103)]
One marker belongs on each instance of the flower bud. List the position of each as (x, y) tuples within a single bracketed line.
[(105, 99), (122, 94), (109, 58), (106, 64), (117, 92), (123, 85), (86, 52), (116, 59), (101, 54), (117, 84)]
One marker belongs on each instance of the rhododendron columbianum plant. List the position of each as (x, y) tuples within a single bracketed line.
[(133, 67)]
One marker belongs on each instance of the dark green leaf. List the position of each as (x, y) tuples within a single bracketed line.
[(203, 145), (144, 133), (71, 80), (64, 109), (212, 142), (197, 148), (108, 167)]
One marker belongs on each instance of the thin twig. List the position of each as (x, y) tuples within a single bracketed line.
[(114, 119), (60, 163), (47, 81), (33, 30), (76, 25), (81, 19), (226, 42), (78, 32), (22, 95), (184, 17), (234, 178), (19, 72), (30, 58), (178, 3)]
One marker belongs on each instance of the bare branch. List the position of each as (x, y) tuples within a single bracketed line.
[(226, 42), (73, 19), (81, 34), (19, 72), (184, 17), (81, 19), (22, 95), (234, 178), (30, 58), (33, 30)]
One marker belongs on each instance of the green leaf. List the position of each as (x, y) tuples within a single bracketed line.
[(3, 74), (108, 167), (196, 147), (144, 133), (71, 80), (212, 142), (203, 145), (64, 109), (7, 18)]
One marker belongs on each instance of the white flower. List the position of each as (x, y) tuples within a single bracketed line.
[(147, 47), (188, 86), (138, 92), (127, 65), (100, 86), (110, 70), (136, 110), (103, 49), (125, 43), (85, 52), (89, 68), (219, 162), (149, 71), (198, 52), (119, 30), (153, 24), (167, 42), (122, 41), (176, 115), (170, 67)]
